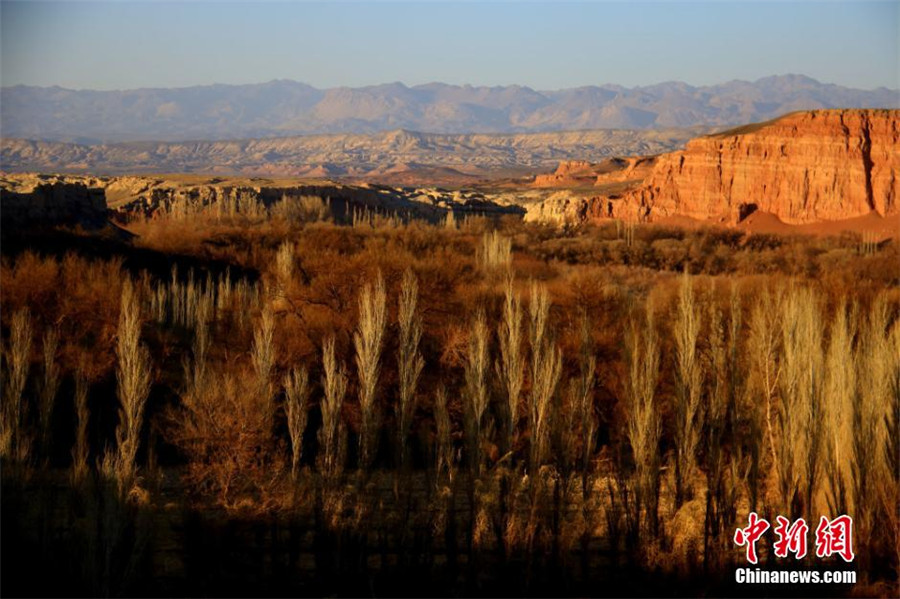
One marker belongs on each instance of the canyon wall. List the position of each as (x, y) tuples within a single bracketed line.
[(805, 167), (49, 200)]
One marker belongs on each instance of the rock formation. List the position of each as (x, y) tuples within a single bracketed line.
[(72, 199), (580, 173), (568, 173), (49, 200), (805, 167)]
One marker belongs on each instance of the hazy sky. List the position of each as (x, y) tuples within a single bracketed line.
[(118, 45)]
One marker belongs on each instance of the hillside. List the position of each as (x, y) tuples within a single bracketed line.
[(384, 156)]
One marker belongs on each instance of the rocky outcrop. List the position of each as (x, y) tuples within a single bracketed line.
[(566, 208), (568, 173), (632, 170), (48, 200), (580, 173), (805, 167)]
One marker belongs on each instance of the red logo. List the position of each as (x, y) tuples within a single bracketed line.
[(748, 536), (833, 537), (791, 539)]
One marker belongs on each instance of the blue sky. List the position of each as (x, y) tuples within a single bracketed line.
[(121, 45)]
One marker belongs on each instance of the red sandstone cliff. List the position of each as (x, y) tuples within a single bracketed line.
[(804, 167)]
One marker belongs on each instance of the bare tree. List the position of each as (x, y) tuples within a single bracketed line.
[(284, 265), (764, 347), (546, 366), (800, 386), (48, 389), (409, 360), (262, 354), (368, 340), (18, 358), (838, 406), (584, 399), (443, 454), (334, 383), (873, 457), (296, 391), (688, 376), (477, 367), (511, 366), (81, 451), (133, 377), (643, 429), (495, 251)]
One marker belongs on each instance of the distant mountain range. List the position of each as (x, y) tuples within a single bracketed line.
[(284, 108)]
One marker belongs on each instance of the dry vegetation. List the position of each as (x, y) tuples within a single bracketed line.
[(531, 411)]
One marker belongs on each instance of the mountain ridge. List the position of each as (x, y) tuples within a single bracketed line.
[(287, 108), (351, 155)]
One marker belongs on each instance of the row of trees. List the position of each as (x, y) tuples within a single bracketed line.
[(781, 400)]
